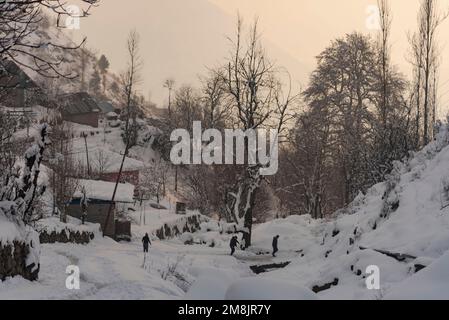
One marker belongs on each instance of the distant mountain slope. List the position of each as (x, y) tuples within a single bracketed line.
[(74, 61), (179, 39)]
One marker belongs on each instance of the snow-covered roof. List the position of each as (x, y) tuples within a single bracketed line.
[(109, 161), (78, 103), (105, 106), (102, 190)]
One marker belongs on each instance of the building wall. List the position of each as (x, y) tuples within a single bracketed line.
[(90, 119), (13, 98), (96, 213), (123, 230)]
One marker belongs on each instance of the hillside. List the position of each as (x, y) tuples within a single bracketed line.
[(77, 64), (400, 226)]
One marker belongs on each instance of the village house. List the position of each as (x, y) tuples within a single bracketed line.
[(99, 195), (79, 108), (105, 107), (17, 89)]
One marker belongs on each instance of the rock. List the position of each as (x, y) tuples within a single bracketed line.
[(268, 267), (326, 286)]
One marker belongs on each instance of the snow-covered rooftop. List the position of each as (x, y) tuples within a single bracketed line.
[(102, 190), (109, 161)]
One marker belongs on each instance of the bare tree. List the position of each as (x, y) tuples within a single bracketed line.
[(384, 55), (251, 85), (217, 110), (154, 180), (102, 162), (130, 81), (428, 22), (63, 181), (170, 85)]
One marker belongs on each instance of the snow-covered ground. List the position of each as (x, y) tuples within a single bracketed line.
[(398, 226), (110, 270)]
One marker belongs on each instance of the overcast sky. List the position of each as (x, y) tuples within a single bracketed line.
[(180, 38)]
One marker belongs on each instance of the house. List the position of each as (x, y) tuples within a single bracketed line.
[(99, 195), (17, 89), (105, 107), (79, 108)]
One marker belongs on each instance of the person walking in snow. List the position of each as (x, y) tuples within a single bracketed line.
[(275, 245), (234, 242), (146, 241)]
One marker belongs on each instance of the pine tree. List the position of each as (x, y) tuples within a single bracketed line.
[(95, 82), (103, 64)]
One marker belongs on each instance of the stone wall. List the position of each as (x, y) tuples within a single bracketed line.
[(13, 259), (185, 224), (66, 236)]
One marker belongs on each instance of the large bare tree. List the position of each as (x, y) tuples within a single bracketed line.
[(253, 88)]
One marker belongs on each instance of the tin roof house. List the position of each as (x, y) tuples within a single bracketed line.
[(99, 195), (79, 108), (17, 89)]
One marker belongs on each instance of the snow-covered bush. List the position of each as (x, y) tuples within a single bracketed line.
[(19, 243), (176, 274)]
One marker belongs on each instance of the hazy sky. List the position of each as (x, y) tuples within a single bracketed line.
[(181, 37)]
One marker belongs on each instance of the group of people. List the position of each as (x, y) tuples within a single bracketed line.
[(234, 242)]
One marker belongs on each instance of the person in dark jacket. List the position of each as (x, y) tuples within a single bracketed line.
[(234, 242), (275, 245), (146, 241)]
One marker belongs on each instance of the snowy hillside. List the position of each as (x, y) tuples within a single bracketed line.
[(404, 217), (400, 226)]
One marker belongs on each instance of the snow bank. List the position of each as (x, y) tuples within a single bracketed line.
[(432, 283), (211, 283), (267, 289)]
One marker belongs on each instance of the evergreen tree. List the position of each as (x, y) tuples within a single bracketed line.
[(103, 64)]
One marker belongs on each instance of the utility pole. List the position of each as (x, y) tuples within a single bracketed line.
[(87, 153)]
